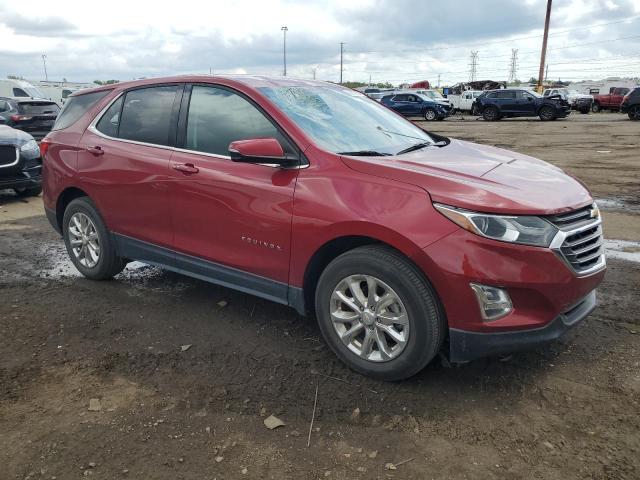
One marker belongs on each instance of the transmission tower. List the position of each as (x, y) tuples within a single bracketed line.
[(513, 67), (474, 66)]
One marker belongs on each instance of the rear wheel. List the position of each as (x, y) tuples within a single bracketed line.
[(584, 110), (547, 113), (378, 313), (595, 108), (28, 192), (430, 115), (634, 113), (89, 244), (491, 114)]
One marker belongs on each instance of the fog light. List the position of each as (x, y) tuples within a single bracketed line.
[(494, 302)]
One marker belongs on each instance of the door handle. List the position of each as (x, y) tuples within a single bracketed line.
[(97, 151), (186, 168)]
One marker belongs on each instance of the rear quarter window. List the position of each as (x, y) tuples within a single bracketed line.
[(76, 107)]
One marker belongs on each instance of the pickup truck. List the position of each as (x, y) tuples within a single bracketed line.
[(578, 101), (611, 100), (464, 101)]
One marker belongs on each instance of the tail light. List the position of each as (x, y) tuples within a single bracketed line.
[(44, 146), (20, 118)]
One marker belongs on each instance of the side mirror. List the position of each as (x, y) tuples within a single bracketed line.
[(259, 150)]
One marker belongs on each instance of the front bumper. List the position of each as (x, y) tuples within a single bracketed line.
[(541, 285), (465, 346)]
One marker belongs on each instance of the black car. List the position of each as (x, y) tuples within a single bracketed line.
[(20, 163), (497, 104), (415, 104), (631, 104), (32, 115)]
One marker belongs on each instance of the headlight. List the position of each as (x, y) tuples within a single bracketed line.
[(30, 146), (525, 229)]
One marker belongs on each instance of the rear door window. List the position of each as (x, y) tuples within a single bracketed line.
[(18, 92), (76, 107), (218, 117), (146, 114)]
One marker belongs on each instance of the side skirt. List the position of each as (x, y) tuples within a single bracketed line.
[(212, 272)]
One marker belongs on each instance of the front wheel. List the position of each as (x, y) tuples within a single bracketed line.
[(490, 114), (547, 113), (634, 113), (89, 244), (430, 115), (584, 110), (378, 313), (595, 108)]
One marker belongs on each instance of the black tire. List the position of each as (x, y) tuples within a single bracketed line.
[(547, 113), (584, 110), (491, 114), (634, 113), (109, 263), (430, 114), (425, 315), (595, 108), (28, 192)]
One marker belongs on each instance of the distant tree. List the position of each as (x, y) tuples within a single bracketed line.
[(98, 82), (533, 80), (105, 82)]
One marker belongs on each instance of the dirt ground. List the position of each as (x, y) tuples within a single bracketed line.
[(158, 376)]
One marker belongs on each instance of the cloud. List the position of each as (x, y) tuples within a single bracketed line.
[(396, 40)]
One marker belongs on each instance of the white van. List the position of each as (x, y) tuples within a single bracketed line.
[(18, 88)]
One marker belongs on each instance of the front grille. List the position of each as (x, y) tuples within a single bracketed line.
[(573, 219), (582, 247), (8, 155)]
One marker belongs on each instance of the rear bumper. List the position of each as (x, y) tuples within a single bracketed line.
[(22, 180), (465, 346)]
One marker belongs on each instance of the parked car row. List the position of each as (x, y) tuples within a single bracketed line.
[(20, 162)]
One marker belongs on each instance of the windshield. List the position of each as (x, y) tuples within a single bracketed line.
[(341, 120)]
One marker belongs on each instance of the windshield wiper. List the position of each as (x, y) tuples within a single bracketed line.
[(365, 153), (415, 147)]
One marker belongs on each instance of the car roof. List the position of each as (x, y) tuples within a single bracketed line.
[(254, 81)]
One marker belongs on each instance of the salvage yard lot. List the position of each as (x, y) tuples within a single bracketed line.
[(182, 373)]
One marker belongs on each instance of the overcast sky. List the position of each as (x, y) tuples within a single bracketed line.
[(389, 40)]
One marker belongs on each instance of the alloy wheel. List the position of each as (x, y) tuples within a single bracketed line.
[(84, 240), (369, 318), (430, 115), (635, 113)]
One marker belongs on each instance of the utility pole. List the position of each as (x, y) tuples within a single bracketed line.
[(546, 74), (543, 54), (341, 54), (474, 66), (44, 62), (314, 72), (438, 80), (284, 48), (513, 68)]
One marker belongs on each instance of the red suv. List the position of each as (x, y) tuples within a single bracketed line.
[(402, 242)]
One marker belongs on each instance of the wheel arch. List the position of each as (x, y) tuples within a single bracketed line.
[(65, 198), (335, 247)]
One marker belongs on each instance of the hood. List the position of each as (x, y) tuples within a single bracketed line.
[(481, 178), (11, 136)]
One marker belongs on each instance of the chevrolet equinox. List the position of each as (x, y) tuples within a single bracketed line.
[(309, 194)]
